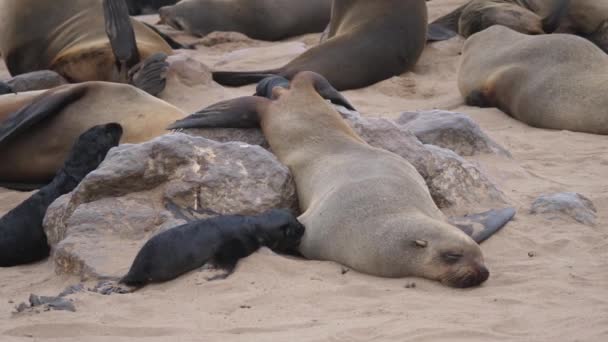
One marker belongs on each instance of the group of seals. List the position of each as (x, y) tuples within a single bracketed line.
[(38, 128), (22, 238), (363, 207), (587, 18), (220, 241), (82, 40), (262, 19), (367, 42), (555, 81)]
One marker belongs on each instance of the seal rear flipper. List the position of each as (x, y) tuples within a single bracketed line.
[(25, 187), (241, 78), (445, 27), (150, 74), (482, 226), (559, 10), (241, 112), (172, 42), (121, 34), (42, 107)]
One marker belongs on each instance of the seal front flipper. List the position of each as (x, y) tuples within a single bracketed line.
[(241, 112), (559, 10), (44, 106), (150, 74), (265, 86), (445, 27), (121, 34), (5, 89), (172, 42), (482, 226), (241, 78)]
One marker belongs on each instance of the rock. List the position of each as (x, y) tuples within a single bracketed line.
[(98, 229), (457, 186), (252, 136), (454, 131), (569, 204), (36, 80)]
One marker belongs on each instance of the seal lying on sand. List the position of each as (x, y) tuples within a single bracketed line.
[(220, 241), (553, 81), (266, 19), (82, 40), (368, 41), (363, 207), (38, 128), (22, 238)]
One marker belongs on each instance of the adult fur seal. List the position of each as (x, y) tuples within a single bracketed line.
[(363, 207), (38, 128), (553, 81), (220, 241), (22, 238), (262, 19), (137, 7), (82, 40), (368, 41)]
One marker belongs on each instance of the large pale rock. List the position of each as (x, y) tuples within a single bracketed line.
[(566, 204), (454, 131), (98, 229)]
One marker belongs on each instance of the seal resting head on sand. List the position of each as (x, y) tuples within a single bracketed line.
[(38, 128), (220, 241), (266, 20), (363, 207), (368, 41), (22, 238), (555, 81), (82, 40)]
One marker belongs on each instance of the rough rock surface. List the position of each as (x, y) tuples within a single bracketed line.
[(569, 204), (454, 131), (98, 229)]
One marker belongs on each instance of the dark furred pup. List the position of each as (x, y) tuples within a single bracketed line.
[(22, 238), (221, 241)]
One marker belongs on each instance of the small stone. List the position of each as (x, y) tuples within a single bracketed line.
[(345, 270), (566, 204), (411, 285), (531, 254)]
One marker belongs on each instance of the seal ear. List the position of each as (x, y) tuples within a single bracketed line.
[(241, 112), (421, 243), (481, 226)]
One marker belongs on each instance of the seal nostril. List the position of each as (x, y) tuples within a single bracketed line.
[(484, 274)]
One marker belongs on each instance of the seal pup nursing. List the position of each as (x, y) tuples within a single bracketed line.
[(368, 41), (363, 207), (22, 238)]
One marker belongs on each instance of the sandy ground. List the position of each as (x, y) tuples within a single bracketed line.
[(558, 294)]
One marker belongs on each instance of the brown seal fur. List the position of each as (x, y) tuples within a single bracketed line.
[(66, 36), (555, 81), (363, 207), (33, 152), (368, 41), (265, 19)]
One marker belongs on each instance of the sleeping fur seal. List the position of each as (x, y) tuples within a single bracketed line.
[(363, 207), (82, 40), (368, 41), (22, 238), (220, 241), (38, 128), (556, 81), (262, 19)]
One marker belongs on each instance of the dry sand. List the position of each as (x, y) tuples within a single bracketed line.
[(558, 294)]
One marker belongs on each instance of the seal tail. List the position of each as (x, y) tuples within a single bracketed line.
[(445, 27), (551, 22), (481, 226), (241, 78)]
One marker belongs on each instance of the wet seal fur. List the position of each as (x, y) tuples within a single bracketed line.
[(367, 42), (262, 19), (38, 128), (363, 207), (22, 238), (555, 81), (82, 40), (220, 241)]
